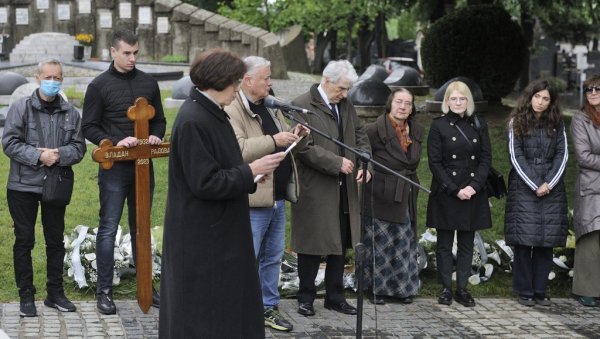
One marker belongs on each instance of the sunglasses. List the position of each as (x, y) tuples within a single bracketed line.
[(591, 89)]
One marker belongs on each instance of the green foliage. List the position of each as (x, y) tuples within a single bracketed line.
[(403, 26), (174, 58), (480, 42), (557, 83)]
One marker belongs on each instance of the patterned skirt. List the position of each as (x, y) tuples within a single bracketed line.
[(393, 270)]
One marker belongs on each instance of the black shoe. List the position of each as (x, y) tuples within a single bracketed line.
[(342, 307), (155, 298), (464, 298), (27, 305), (60, 302), (105, 304), (404, 300), (376, 300), (542, 299), (445, 298), (525, 301), (306, 309)]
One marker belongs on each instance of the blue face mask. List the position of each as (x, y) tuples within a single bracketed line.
[(50, 88)]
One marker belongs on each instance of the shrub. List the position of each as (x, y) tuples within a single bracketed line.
[(480, 42)]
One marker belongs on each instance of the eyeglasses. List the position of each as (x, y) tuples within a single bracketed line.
[(591, 89), (461, 99), (403, 103)]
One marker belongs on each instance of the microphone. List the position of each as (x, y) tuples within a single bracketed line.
[(273, 102)]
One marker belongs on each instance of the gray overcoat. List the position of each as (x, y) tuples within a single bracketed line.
[(315, 217), (586, 143)]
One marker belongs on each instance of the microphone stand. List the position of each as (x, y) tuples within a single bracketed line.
[(365, 159)]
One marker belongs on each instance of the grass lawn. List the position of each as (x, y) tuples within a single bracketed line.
[(84, 208)]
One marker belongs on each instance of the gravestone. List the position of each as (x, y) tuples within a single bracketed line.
[(369, 97), (9, 81), (375, 71), (407, 77), (292, 45), (180, 92), (26, 90)]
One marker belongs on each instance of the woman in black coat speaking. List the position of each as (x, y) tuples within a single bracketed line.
[(460, 155), (535, 218)]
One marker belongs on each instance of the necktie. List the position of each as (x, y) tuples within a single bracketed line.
[(335, 113)]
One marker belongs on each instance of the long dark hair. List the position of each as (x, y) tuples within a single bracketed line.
[(523, 116)]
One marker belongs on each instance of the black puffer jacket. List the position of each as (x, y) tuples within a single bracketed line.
[(537, 158), (106, 102)]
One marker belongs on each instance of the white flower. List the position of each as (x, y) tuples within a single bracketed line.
[(90, 256), (552, 275), (563, 258), (571, 273), (474, 279)]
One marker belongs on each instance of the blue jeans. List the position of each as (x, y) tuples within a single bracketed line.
[(268, 233), (115, 185)]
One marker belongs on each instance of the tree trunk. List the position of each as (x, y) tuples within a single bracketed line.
[(365, 39), (527, 23), (381, 37), (321, 41)]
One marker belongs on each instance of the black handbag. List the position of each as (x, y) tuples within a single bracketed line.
[(58, 181), (58, 185), (495, 185)]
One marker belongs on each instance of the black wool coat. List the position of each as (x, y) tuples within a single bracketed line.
[(209, 280), (531, 220), (456, 163)]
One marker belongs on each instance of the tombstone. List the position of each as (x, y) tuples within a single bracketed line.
[(9, 81), (369, 98), (435, 105), (180, 92), (3, 112), (376, 72), (181, 88), (46, 45), (292, 46), (407, 77)]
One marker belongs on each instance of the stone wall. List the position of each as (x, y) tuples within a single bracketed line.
[(165, 27)]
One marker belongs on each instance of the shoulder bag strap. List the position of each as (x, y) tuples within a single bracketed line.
[(38, 123)]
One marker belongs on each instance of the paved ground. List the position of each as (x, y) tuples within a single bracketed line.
[(491, 318)]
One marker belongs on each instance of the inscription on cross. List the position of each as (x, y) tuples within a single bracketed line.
[(106, 154)]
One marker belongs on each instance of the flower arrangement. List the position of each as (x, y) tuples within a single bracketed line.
[(80, 256), (85, 39)]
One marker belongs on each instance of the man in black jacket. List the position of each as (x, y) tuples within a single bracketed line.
[(107, 99)]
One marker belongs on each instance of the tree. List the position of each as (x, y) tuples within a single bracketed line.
[(480, 42)]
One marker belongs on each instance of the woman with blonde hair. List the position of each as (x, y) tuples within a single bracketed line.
[(460, 156)]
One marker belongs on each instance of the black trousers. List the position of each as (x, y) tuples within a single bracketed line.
[(23, 207), (308, 266), (531, 267), (445, 259)]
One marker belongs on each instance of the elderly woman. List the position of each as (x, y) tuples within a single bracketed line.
[(460, 156), (396, 143), (585, 128), (209, 282), (535, 218)]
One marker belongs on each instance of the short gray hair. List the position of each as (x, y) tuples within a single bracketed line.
[(253, 63), (337, 69), (49, 62)]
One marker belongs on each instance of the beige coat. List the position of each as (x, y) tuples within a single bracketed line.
[(586, 142), (254, 144), (315, 218)]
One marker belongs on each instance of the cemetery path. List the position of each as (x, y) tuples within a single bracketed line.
[(491, 318)]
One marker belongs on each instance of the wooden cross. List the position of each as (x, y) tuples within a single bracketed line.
[(140, 113)]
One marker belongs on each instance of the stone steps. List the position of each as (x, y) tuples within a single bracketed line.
[(39, 46)]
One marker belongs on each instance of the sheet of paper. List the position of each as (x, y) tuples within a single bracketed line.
[(287, 150)]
